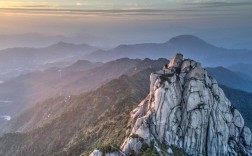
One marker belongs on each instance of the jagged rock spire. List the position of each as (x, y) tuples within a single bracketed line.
[(188, 110)]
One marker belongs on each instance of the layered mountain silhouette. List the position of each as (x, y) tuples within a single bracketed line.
[(242, 68), (233, 79), (16, 61), (26, 90), (29, 89), (76, 124), (66, 108)]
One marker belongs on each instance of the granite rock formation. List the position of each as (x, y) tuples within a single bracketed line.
[(187, 109)]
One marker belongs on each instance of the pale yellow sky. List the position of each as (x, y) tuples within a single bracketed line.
[(142, 20)]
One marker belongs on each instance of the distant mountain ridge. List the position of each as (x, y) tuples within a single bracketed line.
[(16, 61), (23, 60), (245, 68), (82, 76), (230, 78), (189, 45)]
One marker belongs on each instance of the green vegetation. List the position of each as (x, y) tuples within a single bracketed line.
[(148, 151), (85, 154), (90, 120), (108, 148)]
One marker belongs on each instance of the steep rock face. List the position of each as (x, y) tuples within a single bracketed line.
[(187, 109)]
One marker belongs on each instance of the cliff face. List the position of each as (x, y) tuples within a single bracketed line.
[(187, 109)]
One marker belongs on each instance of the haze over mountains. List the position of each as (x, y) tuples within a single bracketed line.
[(26, 90), (190, 46), (56, 84), (242, 68), (64, 80), (236, 80), (16, 61), (37, 40)]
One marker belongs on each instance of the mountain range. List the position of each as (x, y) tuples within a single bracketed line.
[(73, 124), (232, 79), (16, 61), (21, 92), (60, 104), (242, 68), (26, 90)]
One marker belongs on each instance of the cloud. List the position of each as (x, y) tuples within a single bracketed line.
[(35, 6), (44, 9), (187, 10), (217, 4)]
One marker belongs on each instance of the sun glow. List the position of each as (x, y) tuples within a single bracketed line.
[(25, 4), (4, 4), (12, 4)]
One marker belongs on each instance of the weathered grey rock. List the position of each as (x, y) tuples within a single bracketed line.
[(188, 110), (246, 134), (197, 72), (186, 65), (238, 119), (234, 131)]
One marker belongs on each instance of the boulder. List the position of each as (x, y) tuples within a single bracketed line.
[(238, 119), (246, 134)]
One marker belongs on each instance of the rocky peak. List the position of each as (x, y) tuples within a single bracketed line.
[(187, 110), (176, 61)]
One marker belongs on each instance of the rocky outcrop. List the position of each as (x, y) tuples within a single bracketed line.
[(187, 109)]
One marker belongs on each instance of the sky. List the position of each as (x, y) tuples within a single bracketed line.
[(225, 23)]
